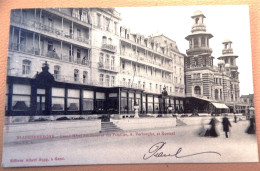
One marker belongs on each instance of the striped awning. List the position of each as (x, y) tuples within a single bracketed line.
[(220, 105)]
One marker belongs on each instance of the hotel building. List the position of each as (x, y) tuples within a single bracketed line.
[(83, 62)]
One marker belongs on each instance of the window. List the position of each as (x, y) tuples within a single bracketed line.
[(107, 80), (26, 67), (216, 94), (115, 24), (197, 90), (79, 33), (101, 79), (56, 72), (107, 62), (98, 20), (112, 62), (85, 76), (110, 41), (78, 56), (113, 81), (196, 61), (73, 100), (104, 40), (231, 61), (101, 58), (196, 42), (203, 43), (197, 20), (123, 65), (50, 46), (76, 75)]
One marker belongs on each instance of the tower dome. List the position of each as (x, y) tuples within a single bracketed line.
[(227, 66), (198, 12), (221, 62)]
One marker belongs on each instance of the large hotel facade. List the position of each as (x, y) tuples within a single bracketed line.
[(82, 61)]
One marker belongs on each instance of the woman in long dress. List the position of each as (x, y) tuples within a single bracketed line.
[(251, 128), (212, 131)]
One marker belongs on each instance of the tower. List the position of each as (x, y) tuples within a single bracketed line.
[(230, 63), (199, 62)]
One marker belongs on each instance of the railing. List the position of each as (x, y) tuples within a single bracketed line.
[(227, 51), (146, 60), (37, 26), (109, 47), (107, 67), (49, 54)]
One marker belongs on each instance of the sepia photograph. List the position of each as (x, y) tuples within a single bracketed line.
[(128, 85)]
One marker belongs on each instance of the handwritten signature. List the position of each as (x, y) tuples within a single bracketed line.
[(154, 151)]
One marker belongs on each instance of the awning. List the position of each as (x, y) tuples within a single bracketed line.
[(220, 105)]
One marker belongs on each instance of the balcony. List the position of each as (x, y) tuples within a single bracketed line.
[(50, 54), (146, 61), (110, 68), (108, 47), (130, 85), (36, 26)]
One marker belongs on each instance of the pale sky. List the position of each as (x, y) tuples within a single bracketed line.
[(223, 22)]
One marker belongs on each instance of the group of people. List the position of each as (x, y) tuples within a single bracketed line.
[(212, 132)]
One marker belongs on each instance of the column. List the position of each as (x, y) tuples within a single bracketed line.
[(192, 43), (34, 43), (40, 49), (66, 101), (19, 40), (61, 50), (12, 43)]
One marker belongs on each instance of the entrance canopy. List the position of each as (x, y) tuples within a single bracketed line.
[(220, 105)]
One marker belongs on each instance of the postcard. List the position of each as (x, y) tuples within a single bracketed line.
[(129, 85)]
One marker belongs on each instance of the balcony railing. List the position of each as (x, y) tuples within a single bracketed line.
[(227, 51), (109, 47), (54, 32), (146, 61), (107, 67), (49, 54)]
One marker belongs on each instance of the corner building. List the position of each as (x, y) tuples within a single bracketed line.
[(210, 88)]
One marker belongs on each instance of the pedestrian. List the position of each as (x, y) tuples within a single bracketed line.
[(251, 128), (226, 124), (212, 132), (235, 118)]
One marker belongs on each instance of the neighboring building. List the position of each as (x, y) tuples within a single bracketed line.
[(210, 88), (248, 99), (81, 61)]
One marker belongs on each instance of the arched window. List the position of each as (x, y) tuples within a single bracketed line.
[(104, 40), (76, 75), (216, 94), (26, 67), (197, 90), (56, 71)]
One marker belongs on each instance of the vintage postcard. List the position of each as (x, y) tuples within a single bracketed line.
[(129, 85)]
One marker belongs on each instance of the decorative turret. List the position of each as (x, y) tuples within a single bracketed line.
[(228, 56), (221, 65), (199, 52)]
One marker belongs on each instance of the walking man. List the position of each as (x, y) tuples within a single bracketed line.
[(226, 125)]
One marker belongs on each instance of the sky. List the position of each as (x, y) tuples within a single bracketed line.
[(223, 22)]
